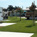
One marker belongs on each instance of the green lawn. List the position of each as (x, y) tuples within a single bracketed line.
[(20, 26)]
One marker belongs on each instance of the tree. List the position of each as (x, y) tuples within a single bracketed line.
[(32, 8), (15, 8), (12, 12), (20, 11), (10, 8), (20, 14)]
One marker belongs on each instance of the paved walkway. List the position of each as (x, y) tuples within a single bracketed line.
[(35, 21), (6, 24), (22, 17), (6, 20), (15, 34)]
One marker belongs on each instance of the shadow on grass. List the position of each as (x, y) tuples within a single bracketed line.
[(1, 22), (28, 26), (28, 19)]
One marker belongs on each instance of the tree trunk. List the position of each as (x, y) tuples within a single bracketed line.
[(20, 16), (16, 15), (33, 19)]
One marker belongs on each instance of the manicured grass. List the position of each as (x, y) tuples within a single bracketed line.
[(20, 26), (35, 35)]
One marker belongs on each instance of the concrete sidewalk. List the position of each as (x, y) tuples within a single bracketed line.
[(35, 21), (6, 20), (22, 17), (15, 34), (6, 24)]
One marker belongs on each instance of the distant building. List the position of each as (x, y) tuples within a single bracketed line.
[(5, 11), (29, 13)]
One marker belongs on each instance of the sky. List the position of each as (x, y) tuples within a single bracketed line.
[(21, 3)]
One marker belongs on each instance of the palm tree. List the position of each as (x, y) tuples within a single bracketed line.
[(32, 8)]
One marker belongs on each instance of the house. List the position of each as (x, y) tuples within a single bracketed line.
[(29, 13), (1, 14), (5, 11)]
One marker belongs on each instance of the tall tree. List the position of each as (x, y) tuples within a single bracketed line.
[(32, 8)]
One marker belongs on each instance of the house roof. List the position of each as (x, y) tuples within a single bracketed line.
[(4, 9), (29, 9)]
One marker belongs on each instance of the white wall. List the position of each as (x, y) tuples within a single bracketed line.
[(1, 14)]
